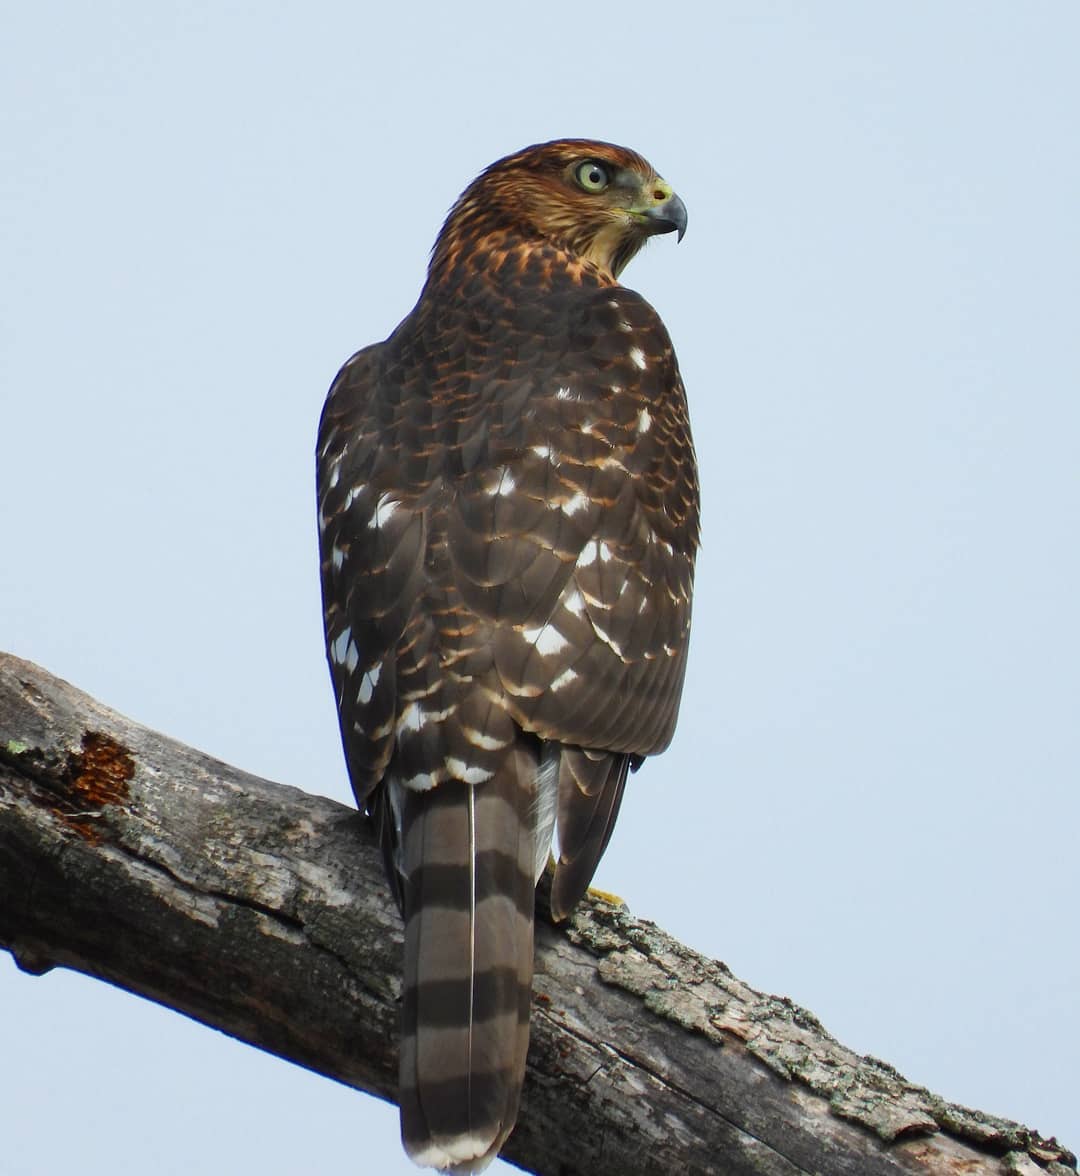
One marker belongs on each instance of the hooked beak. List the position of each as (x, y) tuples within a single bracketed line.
[(668, 217)]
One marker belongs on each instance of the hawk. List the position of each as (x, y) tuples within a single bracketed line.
[(508, 512)]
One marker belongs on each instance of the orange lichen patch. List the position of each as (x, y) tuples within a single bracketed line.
[(97, 776)]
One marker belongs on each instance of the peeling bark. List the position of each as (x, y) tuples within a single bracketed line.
[(262, 911)]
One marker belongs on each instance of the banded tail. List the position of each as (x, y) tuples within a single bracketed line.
[(468, 961)]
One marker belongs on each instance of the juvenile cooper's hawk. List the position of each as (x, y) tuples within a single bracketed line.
[(508, 508)]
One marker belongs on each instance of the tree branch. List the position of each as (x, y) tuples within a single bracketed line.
[(262, 911)]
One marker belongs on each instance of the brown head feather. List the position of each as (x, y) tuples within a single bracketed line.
[(535, 197)]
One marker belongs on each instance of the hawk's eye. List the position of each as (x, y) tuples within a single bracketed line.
[(592, 176)]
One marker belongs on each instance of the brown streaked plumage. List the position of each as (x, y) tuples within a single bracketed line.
[(508, 513)]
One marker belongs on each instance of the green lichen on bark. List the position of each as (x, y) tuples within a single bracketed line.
[(704, 997)]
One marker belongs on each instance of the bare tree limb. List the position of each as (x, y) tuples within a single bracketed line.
[(262, 911)]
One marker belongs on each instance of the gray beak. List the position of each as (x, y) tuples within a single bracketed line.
[(668, 217)]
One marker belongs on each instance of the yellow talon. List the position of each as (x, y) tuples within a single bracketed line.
[(614, 900)]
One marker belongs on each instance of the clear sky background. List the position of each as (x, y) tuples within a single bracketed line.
[(872, 801)]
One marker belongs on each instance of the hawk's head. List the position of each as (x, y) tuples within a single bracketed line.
[(598, 201)]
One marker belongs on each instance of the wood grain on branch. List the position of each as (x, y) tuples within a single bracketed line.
[(262, 911)]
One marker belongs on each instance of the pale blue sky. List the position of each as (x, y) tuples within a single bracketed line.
[(872, 802)]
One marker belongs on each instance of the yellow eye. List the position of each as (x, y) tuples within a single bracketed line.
[(592, 176)]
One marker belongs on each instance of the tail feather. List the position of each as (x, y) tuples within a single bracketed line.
[(590, 791), (468, 855)]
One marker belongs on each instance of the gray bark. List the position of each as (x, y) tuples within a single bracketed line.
[(262, 911)]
